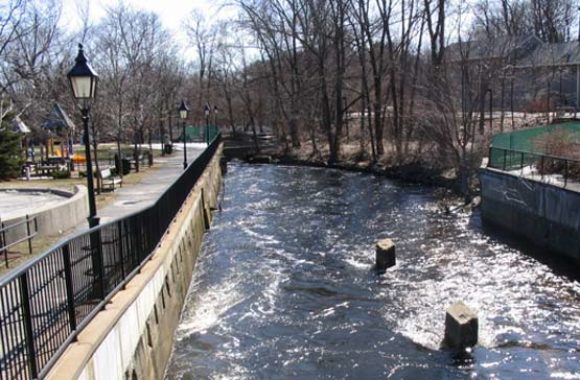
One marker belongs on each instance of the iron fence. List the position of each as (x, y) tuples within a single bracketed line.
[(17, 228), (560, 171), (45, 303)]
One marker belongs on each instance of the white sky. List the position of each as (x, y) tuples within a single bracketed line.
[(171, 12)]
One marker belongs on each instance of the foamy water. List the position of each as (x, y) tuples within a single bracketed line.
[(284, 287)]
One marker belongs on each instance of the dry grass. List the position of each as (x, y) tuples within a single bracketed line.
[(19, 254), (561, 144)]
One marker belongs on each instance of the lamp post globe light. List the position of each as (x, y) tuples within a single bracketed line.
[(83, 81), (183, 115)]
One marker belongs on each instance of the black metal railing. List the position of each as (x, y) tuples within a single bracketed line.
[(560, 171), (23, 230), (45, 303)]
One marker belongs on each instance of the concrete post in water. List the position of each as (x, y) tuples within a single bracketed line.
[(385, 254), (461, 327)]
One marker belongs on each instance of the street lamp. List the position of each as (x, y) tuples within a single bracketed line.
[(207, 111), (183, 115), (83, 81)]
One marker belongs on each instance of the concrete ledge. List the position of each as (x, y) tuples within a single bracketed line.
[(130, 339), (543, 214), (54, 219)]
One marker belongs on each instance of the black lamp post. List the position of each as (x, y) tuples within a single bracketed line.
[(183, 115), (207, 111), (579, 25), (83, 81)]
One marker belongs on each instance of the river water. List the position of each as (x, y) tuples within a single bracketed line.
[(284, 287)]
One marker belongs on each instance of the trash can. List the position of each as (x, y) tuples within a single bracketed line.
[(126, 166), (168, 148)]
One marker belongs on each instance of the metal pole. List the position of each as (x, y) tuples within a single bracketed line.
[(28, 330), (512, 99), (577, 87), (95, 240), (578, 25), (184, 148), (162, 137), (28, 235), (560, 89), (69, 287), (490, 110), (565, 173), (207, 128), (3, 243), (120, 237), (93, 220)]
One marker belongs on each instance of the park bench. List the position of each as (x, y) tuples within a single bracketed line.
[(140, 158), (108, 180)]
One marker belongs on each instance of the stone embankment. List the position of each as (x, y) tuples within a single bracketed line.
[(132, 337)]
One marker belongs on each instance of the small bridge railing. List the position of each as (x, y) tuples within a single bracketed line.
[(559, 171), (44, 304)]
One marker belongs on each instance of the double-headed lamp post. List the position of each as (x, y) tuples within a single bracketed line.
[(83, 81), (183, 115)]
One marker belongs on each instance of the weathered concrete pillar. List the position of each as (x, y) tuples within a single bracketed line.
[(461, 327), (385, 254)]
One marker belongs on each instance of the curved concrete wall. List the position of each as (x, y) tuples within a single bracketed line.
[(132, 337), (53, 219)]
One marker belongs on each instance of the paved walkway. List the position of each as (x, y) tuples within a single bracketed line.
[(132, 198)]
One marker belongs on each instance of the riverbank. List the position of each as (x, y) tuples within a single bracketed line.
[(424, 168), (414, 171)]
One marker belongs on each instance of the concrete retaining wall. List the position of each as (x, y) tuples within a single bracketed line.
[(53, 219), (132, 337), (544, 214)]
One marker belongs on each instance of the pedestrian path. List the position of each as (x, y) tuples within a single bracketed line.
[(130, 199)]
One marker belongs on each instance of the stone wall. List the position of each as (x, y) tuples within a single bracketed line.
[(544, 214), (132, 337)]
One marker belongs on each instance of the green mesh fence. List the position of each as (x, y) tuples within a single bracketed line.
[(506, 159), (197, 133), (213, 131), (507, 148)]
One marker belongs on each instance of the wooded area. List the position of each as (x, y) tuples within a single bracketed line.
[(402, 81)]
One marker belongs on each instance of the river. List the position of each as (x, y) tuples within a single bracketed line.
[(284, 287)]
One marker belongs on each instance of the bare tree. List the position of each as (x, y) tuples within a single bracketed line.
[(204, 37)]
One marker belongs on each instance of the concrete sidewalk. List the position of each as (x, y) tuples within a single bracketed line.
[(130, 199)]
